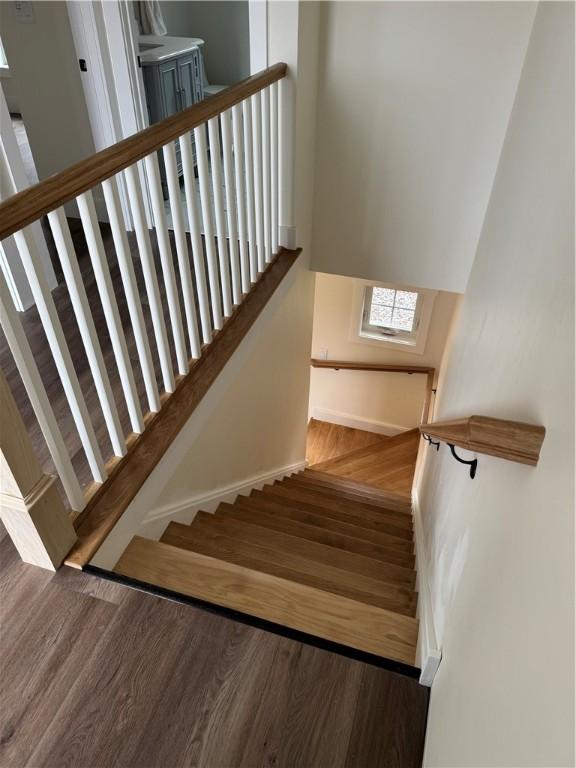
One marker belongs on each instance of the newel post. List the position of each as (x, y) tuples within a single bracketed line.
[(30, 505)]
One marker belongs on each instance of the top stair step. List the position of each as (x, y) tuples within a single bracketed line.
[(297, 606)]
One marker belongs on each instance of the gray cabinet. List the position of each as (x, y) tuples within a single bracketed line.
[(172, 85)]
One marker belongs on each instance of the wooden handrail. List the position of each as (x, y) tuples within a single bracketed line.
[(34, 202), (512, 440), (354, 366), (351, 365)]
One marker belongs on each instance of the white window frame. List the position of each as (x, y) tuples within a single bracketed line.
[(400, 342)]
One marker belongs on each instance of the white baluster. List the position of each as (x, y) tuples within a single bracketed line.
[(223, 258), (111, 314), (274, 164), (266, 187), (32, 381), (159, 213), (190, 190), (130, 286), (286, 232), (249, 176), (206, 202), (169, 154), (83, 313), (230, 205), (240, 195), (60, 352), (149, 272), (257, 165)]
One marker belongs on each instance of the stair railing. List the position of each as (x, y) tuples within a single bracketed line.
[(233, 142)]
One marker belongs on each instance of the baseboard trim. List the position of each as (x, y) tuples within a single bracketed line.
[(428, 653), (208, 502), (349, 420)]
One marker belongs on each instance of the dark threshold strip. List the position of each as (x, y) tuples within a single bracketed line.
[(254, 621)]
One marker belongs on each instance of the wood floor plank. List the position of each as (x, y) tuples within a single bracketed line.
[(328, 441), (99, 678), (334, 618), (389, 466), (208, 540), (34, 673), (386, 697)]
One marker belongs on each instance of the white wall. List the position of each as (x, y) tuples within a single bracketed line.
[(501, 547), (378, 401), (413, 105), (45, 78), (223, 26)]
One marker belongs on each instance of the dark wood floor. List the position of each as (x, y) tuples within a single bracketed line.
[(95, 675)]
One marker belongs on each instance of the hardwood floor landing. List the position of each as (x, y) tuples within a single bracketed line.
[(97, 674), (328, 441)]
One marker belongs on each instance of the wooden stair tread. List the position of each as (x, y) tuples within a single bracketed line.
[(312, 550), (307, 513), (377, 496), (389, 466), (338, 509), (208, 540), (298, 606), (401, 441), (265, 515), (375, 511)]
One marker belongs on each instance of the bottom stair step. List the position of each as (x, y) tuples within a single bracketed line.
[(298, 606)]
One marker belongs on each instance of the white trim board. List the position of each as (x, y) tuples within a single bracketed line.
[(357, 422), (184, 511), (428, 653)]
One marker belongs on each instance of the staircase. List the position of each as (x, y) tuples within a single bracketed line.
[(318, 553)]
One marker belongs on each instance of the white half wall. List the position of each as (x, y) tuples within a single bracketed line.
[(413, 103), (500, 548)]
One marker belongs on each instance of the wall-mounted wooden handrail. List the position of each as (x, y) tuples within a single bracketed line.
[(352, 365), (355, 366), (36, 201), (512, 440)]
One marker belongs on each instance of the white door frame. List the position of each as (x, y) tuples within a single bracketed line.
[(13, 179), (103, 38), (117, 37)]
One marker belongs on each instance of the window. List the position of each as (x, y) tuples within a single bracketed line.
[(3, 59), (391, 313)]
